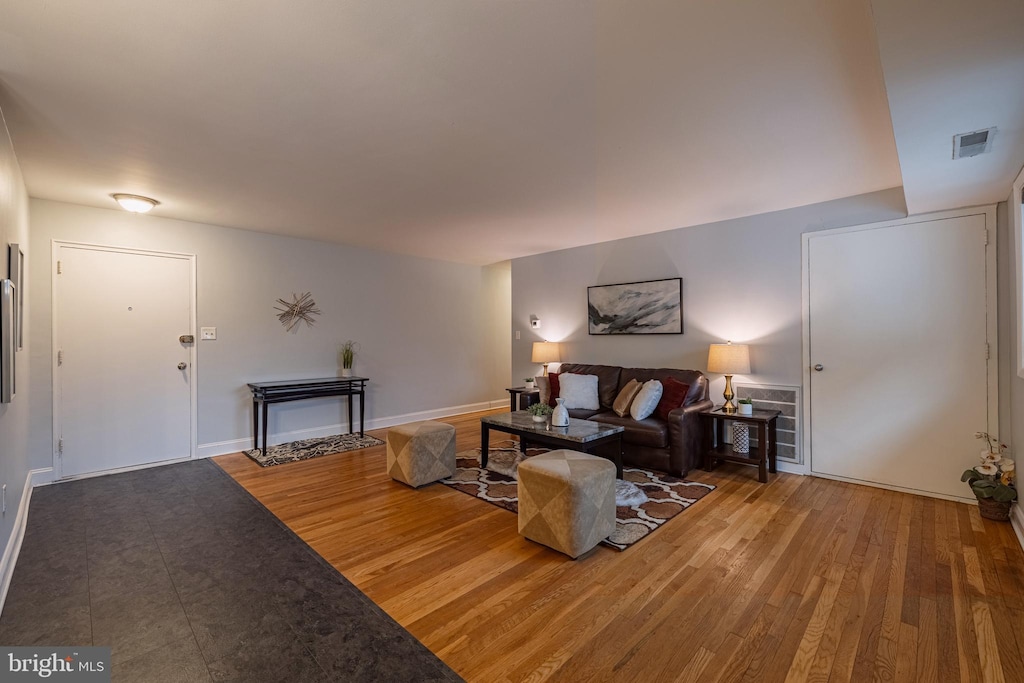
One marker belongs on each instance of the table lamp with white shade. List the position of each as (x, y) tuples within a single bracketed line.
[(729, 359), (545, 352)]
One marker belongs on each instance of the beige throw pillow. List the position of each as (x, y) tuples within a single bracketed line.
[(625, 398)]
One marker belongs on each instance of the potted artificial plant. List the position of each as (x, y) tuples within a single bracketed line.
[(348, 356), (993, 480), (539, 411), (745, 406), (529, 384)]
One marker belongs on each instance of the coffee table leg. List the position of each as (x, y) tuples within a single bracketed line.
[(618, 457), (485, 437)]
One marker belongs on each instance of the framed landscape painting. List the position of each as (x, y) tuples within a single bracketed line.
[(652, 307)]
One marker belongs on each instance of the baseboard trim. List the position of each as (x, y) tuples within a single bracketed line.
[(927, 494), (209, 450), (10, 558), (1017, 522)]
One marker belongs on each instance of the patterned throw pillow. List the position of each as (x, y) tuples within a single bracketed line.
[(625, 398), (544, 387), (578, 391), (672, 397), (646, 401)]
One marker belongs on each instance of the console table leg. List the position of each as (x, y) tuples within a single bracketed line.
[(255, 424), (350, 425), (773, 451), (362, 413), (485, 437), (264, 451)]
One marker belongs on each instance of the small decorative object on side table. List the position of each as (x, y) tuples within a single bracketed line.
[(529, 384), (715, 448), (993, 480)]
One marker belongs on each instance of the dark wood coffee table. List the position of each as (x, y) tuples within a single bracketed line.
[(580, 435)]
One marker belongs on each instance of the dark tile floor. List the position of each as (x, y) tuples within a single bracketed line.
[(189, 578)]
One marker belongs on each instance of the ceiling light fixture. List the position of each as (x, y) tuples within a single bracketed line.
[(134, 203)]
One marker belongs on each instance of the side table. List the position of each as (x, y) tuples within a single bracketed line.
[(715, 448), (522, 398)]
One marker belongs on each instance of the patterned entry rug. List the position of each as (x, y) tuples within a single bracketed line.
[(311, 448), (666, 496)]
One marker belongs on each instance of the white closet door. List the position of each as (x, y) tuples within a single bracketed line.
[(898, 326)]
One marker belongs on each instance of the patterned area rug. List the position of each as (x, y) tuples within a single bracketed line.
[(667, 496), (311, 448)]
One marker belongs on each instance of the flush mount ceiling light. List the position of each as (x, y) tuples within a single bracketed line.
[(134, 203)]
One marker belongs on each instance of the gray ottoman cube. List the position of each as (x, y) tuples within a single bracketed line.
[(421, 452), (567, 500)]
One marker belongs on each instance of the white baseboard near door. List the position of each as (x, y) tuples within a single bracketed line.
[(1017, 521), (35, 478), (208, 450)]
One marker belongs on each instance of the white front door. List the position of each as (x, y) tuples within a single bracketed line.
[(898, 335), (120, 397)]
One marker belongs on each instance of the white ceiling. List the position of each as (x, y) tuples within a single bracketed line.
[(469, 131)]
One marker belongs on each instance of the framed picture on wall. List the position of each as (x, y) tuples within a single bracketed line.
[(650, 307), (16, 268)]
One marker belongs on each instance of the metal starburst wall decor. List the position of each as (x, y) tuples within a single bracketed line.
[(300, 309)]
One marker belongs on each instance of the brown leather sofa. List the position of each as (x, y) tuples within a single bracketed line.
[(672, 446)]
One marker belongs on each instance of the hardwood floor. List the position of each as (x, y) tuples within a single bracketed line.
[(801, 579)]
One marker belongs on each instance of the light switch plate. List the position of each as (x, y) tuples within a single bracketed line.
[(207, 332)]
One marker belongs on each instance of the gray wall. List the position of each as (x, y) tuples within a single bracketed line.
[(14, 417), (425, 328), (741, 282)]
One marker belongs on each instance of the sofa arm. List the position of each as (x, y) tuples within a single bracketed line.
[(685, 437)]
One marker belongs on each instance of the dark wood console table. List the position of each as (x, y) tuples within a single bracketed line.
[(265, 393)]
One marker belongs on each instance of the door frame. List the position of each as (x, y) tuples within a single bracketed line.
[(991, 321), (55, 246)]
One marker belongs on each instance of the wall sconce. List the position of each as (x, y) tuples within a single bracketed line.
[(534, 322)]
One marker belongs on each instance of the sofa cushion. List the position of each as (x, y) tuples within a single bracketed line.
[(578, 391), (625, 398), (582, 414), (672, 396), (646, 400), (651, 432), (696, 379), (607, 379), (544, 387)]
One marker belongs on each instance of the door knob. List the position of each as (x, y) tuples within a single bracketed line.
[(819, 367), (182, 366)]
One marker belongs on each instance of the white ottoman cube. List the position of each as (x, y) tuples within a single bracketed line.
[(567, 500), (421, 452)]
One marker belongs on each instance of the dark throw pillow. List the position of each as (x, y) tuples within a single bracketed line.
[(553, 382), (672, 397)]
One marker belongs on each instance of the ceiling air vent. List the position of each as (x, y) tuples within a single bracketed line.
[(972, 144)]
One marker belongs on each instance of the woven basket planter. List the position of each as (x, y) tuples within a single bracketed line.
[(992, 509)]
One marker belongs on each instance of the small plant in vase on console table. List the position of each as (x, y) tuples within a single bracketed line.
[(745, 407), (993, 480), (539, 411), (348, 356), (529, 384)]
